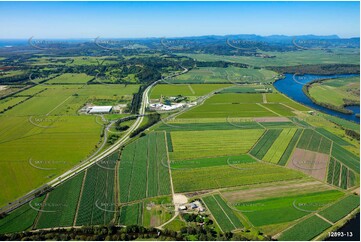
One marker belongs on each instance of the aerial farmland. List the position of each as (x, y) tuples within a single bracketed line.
[(235, 137)]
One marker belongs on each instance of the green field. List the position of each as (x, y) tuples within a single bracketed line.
[(339, 175), (215, 177), (73, 60), (97, 203), (22, 218), (68, 99), (280, 109), (230, 149), (305, 230), (195, 144), (227, 110), (278, 125), (230, 106), (70, 78), (61, 204), (340, 209), (230, 125), (225, 75), (289, 58), (213, 161), (156, 212), (10, 102), (50, 145), (335, 91), (311, 140), (48, 130), (332, 137), (280, 98), (235, 98), (343, 123), (224, 216), (279, 146), (143, 170), (346, 157), (189, 90), (263, 145), (290, 148), (131, 214), (286, 208), (247, 89)]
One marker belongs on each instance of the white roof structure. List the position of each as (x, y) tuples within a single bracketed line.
[(100, 109)]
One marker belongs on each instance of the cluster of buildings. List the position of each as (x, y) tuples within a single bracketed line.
[(193, 206), (165, 107)]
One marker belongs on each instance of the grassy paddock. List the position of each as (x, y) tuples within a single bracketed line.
[(340, 209), (286, 208), (263, 145), (231, 175), (168, 90), (195, 144), (70, 78), (305, 230), (279, 146), (22, 218), (213, 161)]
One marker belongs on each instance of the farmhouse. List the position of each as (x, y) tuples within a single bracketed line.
[(100, 109)]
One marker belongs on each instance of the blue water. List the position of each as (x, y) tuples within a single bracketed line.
[(351, 226), (292, 86)]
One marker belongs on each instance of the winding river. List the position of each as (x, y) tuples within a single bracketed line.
[(292, 87)]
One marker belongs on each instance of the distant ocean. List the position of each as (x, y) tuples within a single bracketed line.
[(11, 43)]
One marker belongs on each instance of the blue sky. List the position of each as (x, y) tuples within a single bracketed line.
[(171, 19)]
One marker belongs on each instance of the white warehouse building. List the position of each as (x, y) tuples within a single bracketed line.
[(100, 109)]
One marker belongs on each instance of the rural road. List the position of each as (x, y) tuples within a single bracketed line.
[(94, 158)]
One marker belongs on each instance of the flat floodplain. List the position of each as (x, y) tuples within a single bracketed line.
[(290, 58), (22, 218), (235, 98), (195, 144), (10, 102), (286, 208), (224, 216), (279, 109), (231, 175), (227, 110), (213, 161), (225, 75), (70, 78), (341, 89), (341, 208), (279, 146), (49, 146), (280, 98), (143, 170), (192, 90), (346, 157), (231, 124), (313, 141), (266, 141), (48, 130), (306, 229), (61, 204), (97, 201)]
